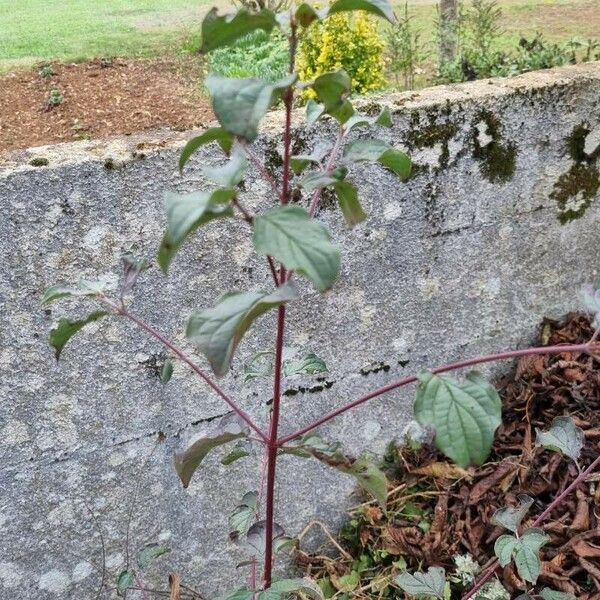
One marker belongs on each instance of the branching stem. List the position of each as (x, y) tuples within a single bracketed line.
[(591, 348)]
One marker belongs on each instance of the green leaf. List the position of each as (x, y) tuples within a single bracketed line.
[(527, 562), (217, 331), (228, 429), (222, 30), (464, 415), (167, 371), (289, 235), (240, 450), (317, 180), (243, 515), (511, 517), (66, 329), (240, 104), (563, 436), (314, 110), (306, 14), (242, 593), (374, 150), (548, 594), (310, 364), (230, 174), (125, 581), (332, 89), (256, 536), (349, 582), (188, 212), (84, 288), (301, 161), (214, 134), (534, 538), (347, 196), (430, 583), (149, 553), (261, 365), (384, 119), (303, 585), (503, 548), (368, 476), (381, 8)]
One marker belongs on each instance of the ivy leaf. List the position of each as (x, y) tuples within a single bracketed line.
[(314, 110), (228, 429), (548, 594), (214, 134), (384, 118), (240, 104), (332, 89), (256, 536), (242, 516), (373, 150), (310, 364), (347, 196), (222, 30), (430, 583), (381, 8), (188, 212), (84, 288), (527, 562), (217, 331), (511, 517), (125, 581), (167, 371), (149, 553), (367, 474), (230, 174), (240, 450), (464, 415), (563, 436), (504, 547), (289, 235), (66, 329)]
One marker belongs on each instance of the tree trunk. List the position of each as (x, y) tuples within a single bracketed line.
[(448, 30)]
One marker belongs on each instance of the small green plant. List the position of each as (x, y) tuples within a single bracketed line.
[(404, 51), (55, 98), (341, 41), (256, 55), (46, 72), (463, 413)]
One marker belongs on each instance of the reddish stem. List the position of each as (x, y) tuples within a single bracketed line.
[(541, 518), (184, 358), (272, 450), (451, 367)]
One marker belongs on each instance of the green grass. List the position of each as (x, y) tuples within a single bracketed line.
[(73, 30)]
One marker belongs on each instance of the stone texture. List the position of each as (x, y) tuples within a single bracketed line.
[(465, 258)]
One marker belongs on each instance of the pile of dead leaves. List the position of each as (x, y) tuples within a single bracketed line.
[(437, 511)]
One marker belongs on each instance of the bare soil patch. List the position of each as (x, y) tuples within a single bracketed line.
[(100, 98)]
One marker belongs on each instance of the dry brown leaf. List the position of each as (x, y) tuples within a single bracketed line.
[(442, 470), (586, 549), (174, 587)]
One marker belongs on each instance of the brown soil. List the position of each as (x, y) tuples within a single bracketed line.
[(100, 98), (456, 505)]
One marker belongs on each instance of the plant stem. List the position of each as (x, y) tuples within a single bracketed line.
[(272, 449), (540, 519), (121, 310), (444, 369)]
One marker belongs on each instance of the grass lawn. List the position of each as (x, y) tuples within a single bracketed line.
[(72, 30)]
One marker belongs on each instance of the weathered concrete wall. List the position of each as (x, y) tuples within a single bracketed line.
[(467, 257)]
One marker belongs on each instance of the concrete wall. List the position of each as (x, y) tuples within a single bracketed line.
[(496, 229)]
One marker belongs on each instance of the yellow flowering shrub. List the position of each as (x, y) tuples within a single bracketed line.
[(343, 41)]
